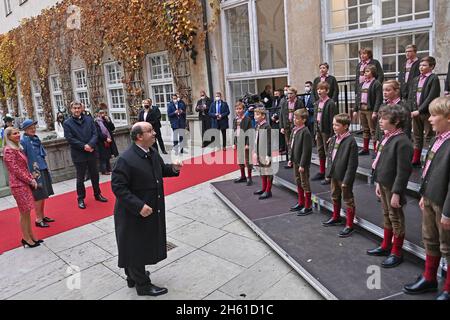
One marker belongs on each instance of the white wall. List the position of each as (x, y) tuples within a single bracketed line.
[(28, 9)]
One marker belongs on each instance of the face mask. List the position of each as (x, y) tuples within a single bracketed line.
[(175, 100), (146, 106), (217, 98), (285, 93), (203, 97), (307, 89)]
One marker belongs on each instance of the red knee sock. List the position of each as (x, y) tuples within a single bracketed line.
[(397, 245), (264, 183), (249, 172), (308, 201), (416, 156), (301, 196), (350, 217), (322, 166), (387, 240), (336, 210), (269, 184), (431, 268), (243, 172), (366, 144)]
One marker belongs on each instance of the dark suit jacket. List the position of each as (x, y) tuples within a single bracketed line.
[(430, 91), (137, 179), (329, 111), (406, 85), (394, 166), (334, 89), (203, 114), (375, 98), (78, 133), (177, 121), (380, 72), (284, 111), (224, 111), (301, 151), (436, 185), (345, 164), (153, 116), (447, 79)]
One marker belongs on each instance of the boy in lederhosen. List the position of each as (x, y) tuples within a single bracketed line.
[(263, 152), (341, 169), (435, 202), (424, 89), (391, 171), (368, 102), (324, 111), (241, 124), (301, 152)]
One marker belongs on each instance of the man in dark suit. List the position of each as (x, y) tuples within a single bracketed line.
[(308, 102), (139, 212), (81, 134), (152, 115), (266, 96), (410, 70), (219, 112), (177, 116), (202, 108)]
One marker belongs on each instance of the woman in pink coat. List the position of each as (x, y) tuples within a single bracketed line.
[(21, 183)]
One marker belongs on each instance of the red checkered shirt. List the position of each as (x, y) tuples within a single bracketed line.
[(440, 139)]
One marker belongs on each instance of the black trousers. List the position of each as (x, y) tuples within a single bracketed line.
[(91, 166), (206, 124), (159, 140), (138, 274)]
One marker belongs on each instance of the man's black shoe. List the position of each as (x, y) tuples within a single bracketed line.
[(325, 182), (347, 232), (265, 195), (363, 152), (81, 204), (392, 261), (444, 296), (151, 290), (379, 252), (259, 192), (420, 286), (305, 212), (101, 198), (164, 152), (296, 207), (240, 180), (333, 222), (318, 176)]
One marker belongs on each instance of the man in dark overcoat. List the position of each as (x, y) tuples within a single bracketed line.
[(139, 212)]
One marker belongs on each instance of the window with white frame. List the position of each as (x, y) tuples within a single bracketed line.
[(394, 11), (116, 94), (239, 56), (81, 88), (161, 86), (348, 15), (57, 94), (8, 10), (344, 38), (37, 101)]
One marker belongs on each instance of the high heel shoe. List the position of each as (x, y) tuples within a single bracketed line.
[(38, 241), (24, 243)]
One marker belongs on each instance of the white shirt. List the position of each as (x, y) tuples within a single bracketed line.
[(59, 129)]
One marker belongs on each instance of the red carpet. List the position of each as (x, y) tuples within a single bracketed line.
[(64, 210)]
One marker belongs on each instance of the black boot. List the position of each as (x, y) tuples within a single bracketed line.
[(420, 286)]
